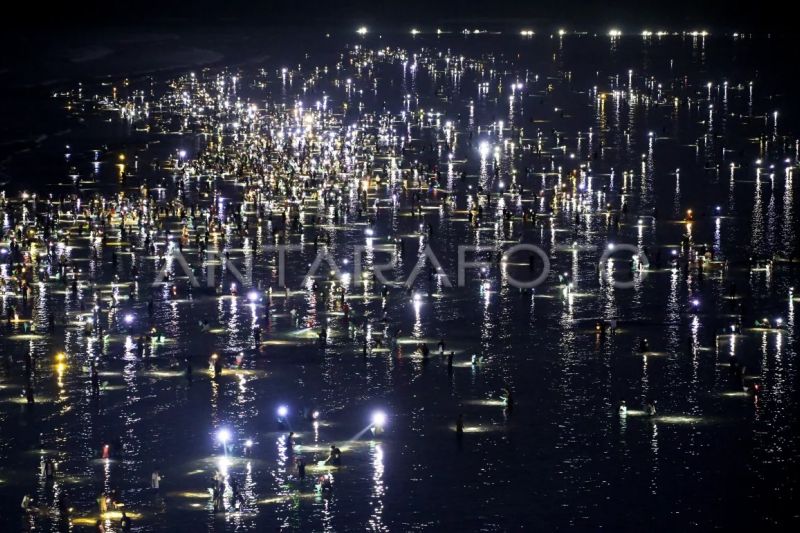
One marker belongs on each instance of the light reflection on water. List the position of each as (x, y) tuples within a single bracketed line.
[(563, 446)]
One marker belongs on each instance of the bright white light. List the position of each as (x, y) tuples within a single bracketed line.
[(252, 296), (362, 30), (283, 411), (223, 463), (224, 435), (128, 319), (248, 443), (379, 419)]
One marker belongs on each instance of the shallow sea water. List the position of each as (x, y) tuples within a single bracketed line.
[(713, 457)]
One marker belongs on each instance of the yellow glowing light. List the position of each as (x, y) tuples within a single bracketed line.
[(188, 494), (493, 403), (677, 419), (473, 429)]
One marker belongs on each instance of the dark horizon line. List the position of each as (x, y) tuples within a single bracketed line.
[(542, 15)]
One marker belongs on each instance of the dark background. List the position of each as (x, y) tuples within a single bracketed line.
[(766, 15)]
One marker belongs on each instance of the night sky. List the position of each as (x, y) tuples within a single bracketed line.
[(719, 14)]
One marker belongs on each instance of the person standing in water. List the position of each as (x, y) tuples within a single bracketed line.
[(644, 346), (508, 398), (125, 522), (29, 397), (95, 380), (102, 503), (26, 503), (217, 367), (335, 456), (155, 480)]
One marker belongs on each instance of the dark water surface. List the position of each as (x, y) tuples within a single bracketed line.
[(635, 118)]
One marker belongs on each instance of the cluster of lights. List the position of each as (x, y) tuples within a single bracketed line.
[(379, 418)]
